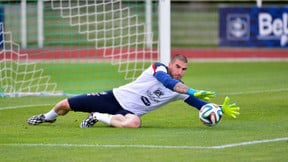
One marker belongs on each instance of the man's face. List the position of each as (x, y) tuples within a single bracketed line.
[(177, 69)]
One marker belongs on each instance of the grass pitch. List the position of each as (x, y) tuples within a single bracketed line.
[(172, 133)]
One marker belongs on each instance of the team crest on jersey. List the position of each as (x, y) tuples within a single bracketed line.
[(158, 93), (155, 95)]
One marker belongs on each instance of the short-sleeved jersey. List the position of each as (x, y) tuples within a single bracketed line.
[(146, 93)]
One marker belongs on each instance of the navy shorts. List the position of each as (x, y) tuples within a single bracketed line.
[(102, 102)]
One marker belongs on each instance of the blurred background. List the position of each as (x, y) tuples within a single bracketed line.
[(194, 23)]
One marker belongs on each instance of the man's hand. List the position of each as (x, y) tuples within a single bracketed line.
[(231, 110), (202, 94)]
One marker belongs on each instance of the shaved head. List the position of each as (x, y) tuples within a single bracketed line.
[(179, 57)]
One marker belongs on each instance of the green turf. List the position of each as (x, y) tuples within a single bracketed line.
[(259, 88), (84, 77)]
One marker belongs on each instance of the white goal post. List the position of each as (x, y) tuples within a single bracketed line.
[(165, 30), (259, 3), (86, 32)]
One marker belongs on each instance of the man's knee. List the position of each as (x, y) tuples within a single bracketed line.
[(132, 121), (62, 107), (64, 104), (135, 121)]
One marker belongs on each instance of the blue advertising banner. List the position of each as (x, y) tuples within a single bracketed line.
[(253, 26)]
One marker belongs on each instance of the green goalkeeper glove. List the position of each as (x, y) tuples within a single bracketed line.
[(230, 109), (204, 95)]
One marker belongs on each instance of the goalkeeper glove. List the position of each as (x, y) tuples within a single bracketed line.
[(204, 95), (230, 109)]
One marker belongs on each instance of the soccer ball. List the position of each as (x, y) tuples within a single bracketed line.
[(210, 114)]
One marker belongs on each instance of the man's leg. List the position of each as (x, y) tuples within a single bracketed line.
[(127, 121), (119, 120), (61, 108)]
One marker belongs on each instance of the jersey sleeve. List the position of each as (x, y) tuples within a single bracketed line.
[(195, 102), (161, 74)]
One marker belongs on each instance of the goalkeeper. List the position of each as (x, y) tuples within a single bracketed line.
[(123, 106)]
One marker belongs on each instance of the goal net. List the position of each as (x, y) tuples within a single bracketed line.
[(66, 47)]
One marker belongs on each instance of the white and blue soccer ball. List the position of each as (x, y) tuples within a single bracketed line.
[(210, 114)]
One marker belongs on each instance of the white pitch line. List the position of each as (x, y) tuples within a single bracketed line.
[(250, 143), (257, 91), (23, 106), (148, 146)]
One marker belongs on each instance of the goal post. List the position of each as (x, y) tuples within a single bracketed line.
[(67, 47), (23, 20), (259, 3), (164, 30)]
